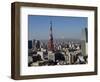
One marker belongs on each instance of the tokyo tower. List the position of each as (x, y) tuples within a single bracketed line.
[(50, 42)]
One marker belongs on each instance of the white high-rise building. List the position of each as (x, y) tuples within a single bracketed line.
[(84, 43)]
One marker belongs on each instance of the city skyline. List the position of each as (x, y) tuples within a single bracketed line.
[(38, 27)]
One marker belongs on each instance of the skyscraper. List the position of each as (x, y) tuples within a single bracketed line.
[(29, 44), (85, 34), (50, 42), (84, 43)]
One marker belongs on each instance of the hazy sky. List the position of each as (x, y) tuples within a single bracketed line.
[(63, 27)]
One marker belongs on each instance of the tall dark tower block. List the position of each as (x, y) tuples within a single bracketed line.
[(50, 42)]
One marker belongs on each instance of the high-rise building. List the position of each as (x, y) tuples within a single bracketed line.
[(29, 44), (34, 44), (85, 34), (84, 43), (50, 42), (38, 44)]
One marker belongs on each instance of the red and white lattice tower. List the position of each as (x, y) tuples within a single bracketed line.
[(50, 42)]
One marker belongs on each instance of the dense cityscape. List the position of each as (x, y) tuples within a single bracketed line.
[(56, 51)]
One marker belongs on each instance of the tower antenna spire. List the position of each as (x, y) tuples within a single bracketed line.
[(50, 42)]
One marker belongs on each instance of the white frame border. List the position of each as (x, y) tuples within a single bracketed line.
[(25, 70)]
